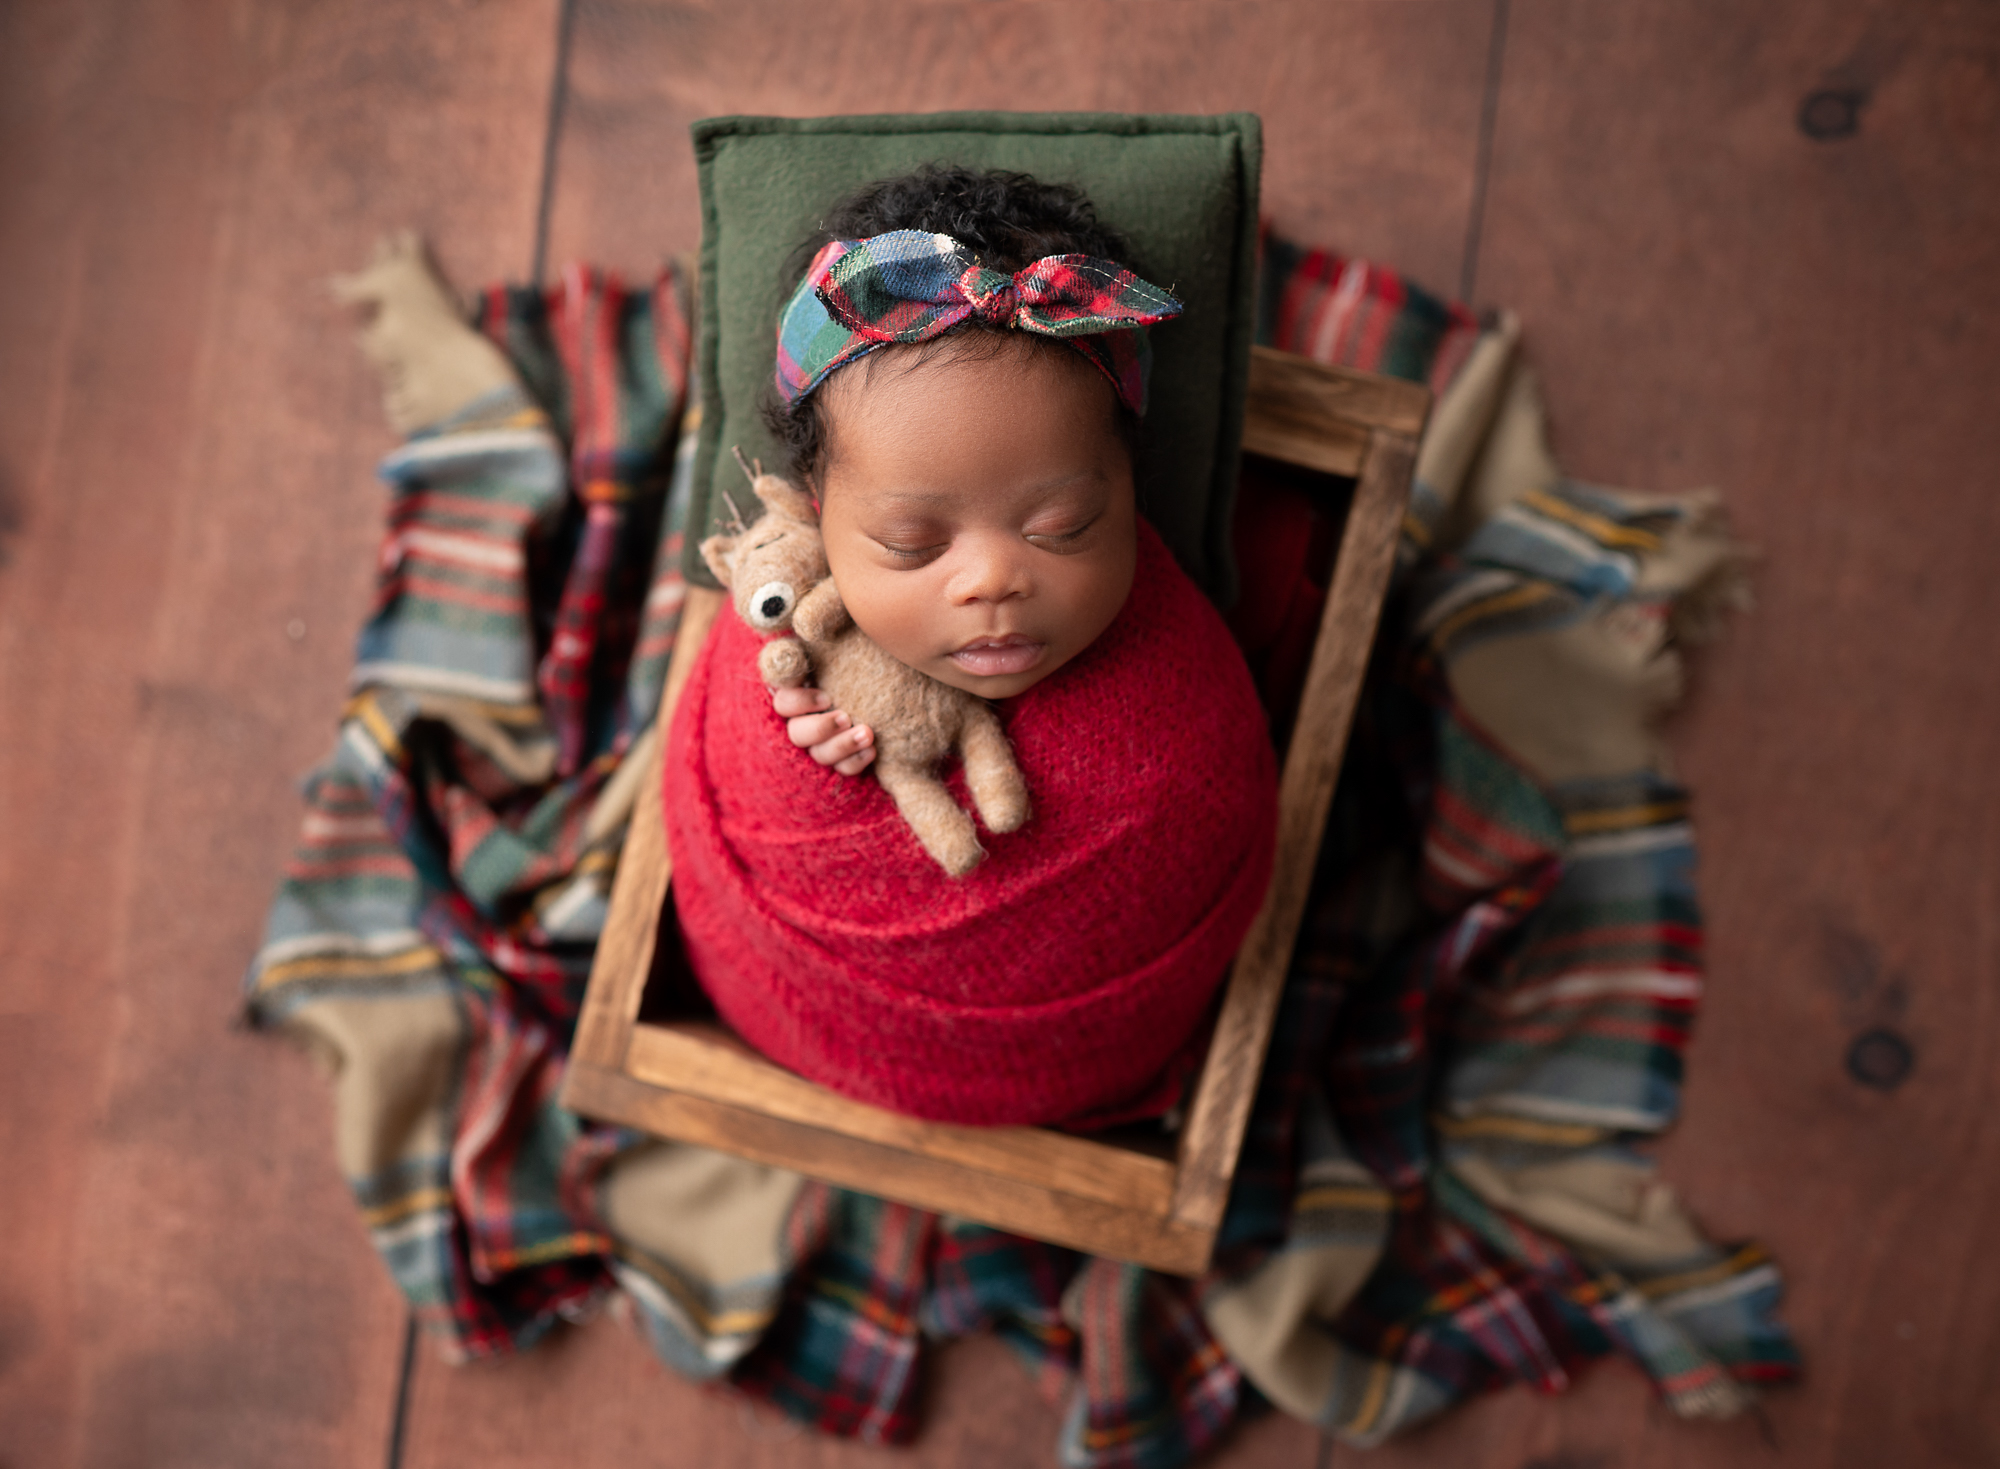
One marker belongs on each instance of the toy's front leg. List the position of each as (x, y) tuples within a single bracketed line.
[(820, 615), (995, 780), (940, 824), (783, 664)]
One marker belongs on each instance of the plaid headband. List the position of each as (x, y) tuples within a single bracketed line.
[(911, 286)]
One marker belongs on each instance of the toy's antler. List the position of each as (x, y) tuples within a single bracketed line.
[(752, 469)]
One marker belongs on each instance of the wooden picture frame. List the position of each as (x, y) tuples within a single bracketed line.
[(696, 1082)]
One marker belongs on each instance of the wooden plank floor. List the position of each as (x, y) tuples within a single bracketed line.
[(186, 442), (187, 517)]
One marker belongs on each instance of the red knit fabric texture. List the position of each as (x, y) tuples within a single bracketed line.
[(1062, 976)]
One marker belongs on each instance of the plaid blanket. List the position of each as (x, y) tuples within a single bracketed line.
[(434, 931), (1444, 1188)]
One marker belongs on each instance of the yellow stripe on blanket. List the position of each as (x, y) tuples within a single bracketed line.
[(1624, 818), (1600, 529), (368, 710), (350, 966), (1525, 595), (1380, 1374), (1342, 1196), (1746, 1259), (397, 1210), (866, 1306), (737, 1321), (568, 1246), (1520, 1129)]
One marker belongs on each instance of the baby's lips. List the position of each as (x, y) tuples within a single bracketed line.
[(998, 657)]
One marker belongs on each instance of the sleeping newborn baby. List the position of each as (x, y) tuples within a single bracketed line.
[(961, 375)]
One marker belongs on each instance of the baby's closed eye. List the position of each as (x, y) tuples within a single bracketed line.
[(910, 539), (1064, 535), (914, 553)]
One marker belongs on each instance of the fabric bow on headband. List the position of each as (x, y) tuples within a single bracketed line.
[(910, 286)]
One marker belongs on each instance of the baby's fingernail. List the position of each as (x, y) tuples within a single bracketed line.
[(841, 721), (821, 699), (861, 735)]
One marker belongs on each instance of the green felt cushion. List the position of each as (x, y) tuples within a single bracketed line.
[(1183, 190)]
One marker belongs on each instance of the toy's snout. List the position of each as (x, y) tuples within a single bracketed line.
[(771, 604)]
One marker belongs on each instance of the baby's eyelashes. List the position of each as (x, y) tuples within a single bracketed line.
[(1062, 544), (1062, 538), (913, 555)]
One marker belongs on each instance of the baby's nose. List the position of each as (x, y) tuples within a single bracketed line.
[(990, 576)]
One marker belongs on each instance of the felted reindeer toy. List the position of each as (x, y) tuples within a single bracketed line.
[(776, 573)]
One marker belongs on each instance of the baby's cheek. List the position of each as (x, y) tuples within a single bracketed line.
[(899, 612), (1095, 593)]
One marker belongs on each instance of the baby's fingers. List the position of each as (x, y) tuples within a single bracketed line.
[(793, 702), (856, 763), (816, 729), (845, 748)]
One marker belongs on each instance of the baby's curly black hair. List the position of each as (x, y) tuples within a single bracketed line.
[(1008, 220)]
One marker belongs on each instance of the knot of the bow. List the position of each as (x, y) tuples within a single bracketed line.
[(994, 297)]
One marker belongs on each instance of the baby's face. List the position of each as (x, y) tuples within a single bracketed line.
[(978, 512)]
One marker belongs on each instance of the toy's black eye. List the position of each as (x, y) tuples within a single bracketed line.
[(770, 604)]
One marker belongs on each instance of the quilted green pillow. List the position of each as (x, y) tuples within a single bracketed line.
[(1183, 190)]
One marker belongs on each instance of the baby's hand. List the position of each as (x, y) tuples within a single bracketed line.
[(815, 725)]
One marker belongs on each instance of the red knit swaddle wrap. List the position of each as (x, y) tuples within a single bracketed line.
[(1063, 975)]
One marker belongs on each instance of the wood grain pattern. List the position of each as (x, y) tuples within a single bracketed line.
[(896, 1172), (645, 868), (1371, 111), (1318, 417), (593, 1397), (1221, 1108), (188, 522), (708, 1061)]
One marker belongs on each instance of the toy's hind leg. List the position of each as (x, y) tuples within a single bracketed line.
[(944, 829), (997, 788)]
